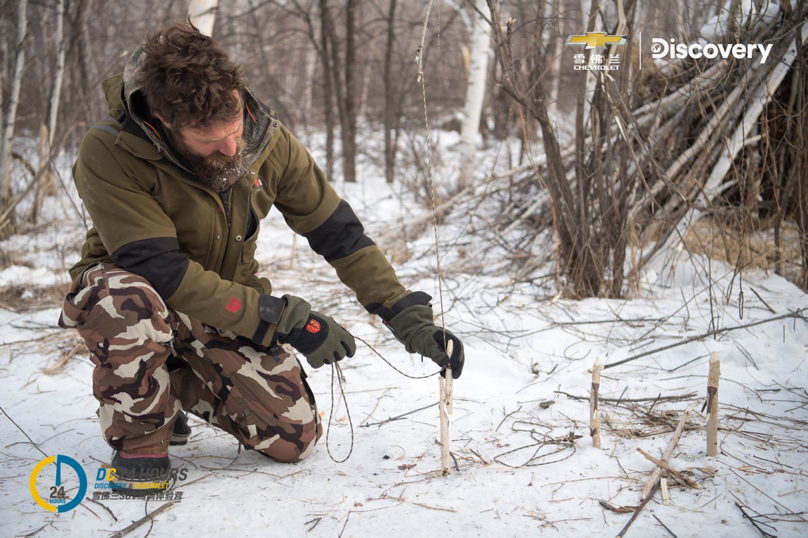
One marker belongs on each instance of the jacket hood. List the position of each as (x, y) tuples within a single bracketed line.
[(124, 96)]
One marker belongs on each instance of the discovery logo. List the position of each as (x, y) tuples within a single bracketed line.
[(660, 48)]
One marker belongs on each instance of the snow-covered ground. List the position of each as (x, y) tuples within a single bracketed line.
[(525, 464)]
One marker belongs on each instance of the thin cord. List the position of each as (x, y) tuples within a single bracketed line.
[(391, 364), (420, 59), (341, 379)]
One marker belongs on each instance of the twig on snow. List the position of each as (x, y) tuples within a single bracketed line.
[(638, 510), (797, 314), (676, 474), (391, 419), (654, 479), (754, 523), (664, 526), (23, 432), (148, 517)]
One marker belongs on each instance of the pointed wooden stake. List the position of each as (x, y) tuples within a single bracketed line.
[(594, 412), (446, 390), (712, 404)]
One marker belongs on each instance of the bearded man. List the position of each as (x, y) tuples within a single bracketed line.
[(177, 180)]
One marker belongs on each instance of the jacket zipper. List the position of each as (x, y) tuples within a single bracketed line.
[(246, 228), (225, 196)]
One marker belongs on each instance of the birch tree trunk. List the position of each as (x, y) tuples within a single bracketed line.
[(6, 191), (45, 185), (203, 14), (311, 65), (475, 95), (58, 77)]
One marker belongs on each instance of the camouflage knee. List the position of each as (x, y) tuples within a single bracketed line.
[(126, 326), (258, 395)]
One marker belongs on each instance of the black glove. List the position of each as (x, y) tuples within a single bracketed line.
[(317, 336), (410, 320)]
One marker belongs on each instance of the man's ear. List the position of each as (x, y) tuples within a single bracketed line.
[(159, 117)]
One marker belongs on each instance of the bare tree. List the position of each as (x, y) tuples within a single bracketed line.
[(6, 184), (342, 73), (45, 185), (392, 111), (326, 55), (475, 94), (349, 95), (589, 213), (203, 14)]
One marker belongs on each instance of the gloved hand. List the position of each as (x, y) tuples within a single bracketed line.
[(412, 325), (315, 335)]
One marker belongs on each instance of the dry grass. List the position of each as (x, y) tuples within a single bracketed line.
[(19, 298), (725, 241)]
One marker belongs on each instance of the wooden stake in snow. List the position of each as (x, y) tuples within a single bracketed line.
[(668, 451), (594, 412), (663, 486), (445, 405), (712, 404)]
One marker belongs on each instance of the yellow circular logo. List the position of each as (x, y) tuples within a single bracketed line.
[(57, 500)]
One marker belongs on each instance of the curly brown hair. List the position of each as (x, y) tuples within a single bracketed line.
[(188, 80)]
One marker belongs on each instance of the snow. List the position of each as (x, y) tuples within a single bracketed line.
[(523, 348)]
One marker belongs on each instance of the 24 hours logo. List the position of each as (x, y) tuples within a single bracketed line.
[(57, 499)]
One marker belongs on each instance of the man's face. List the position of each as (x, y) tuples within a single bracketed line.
[(214, 153), (214, 143)]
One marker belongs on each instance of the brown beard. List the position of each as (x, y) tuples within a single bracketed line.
[(215, 171)]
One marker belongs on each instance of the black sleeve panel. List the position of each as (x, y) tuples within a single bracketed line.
[(158, 260), (340, 235), (416, 298)]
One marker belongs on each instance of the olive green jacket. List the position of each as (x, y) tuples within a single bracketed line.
[(196, 247)]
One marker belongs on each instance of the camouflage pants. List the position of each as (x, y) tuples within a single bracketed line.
[(151, 361)]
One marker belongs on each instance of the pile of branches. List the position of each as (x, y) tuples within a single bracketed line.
[(662, 146)]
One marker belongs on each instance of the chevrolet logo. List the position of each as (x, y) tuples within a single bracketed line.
[(596, 40)]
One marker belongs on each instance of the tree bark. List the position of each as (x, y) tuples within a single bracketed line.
[(337, 75), (392, 113), (349, 120), (14, 97), (6, 186), (45, 185), (555, 71), (475, 95), (203, 14), (328, 86)]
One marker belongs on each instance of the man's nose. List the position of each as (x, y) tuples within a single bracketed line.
[(228, 146)]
